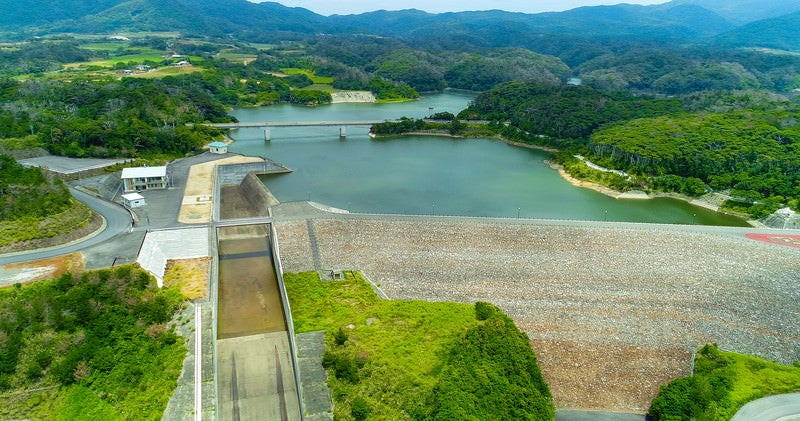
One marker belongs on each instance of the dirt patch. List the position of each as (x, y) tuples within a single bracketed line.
[(39, 270), (189, 275), (197, 204)]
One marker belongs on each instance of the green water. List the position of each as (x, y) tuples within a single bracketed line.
[(432, 175)]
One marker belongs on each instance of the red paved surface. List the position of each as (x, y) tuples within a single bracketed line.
[(784, 240)]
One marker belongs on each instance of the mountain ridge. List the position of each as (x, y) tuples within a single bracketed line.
[(679, 21)]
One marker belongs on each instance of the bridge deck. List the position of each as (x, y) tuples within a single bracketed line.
[(297, 123)]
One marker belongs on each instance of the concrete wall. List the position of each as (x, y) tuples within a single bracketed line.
[(257, 194)]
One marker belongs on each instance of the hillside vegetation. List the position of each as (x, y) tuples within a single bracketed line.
[(742, 142), (94, 346), (418, 360), (722, 383), (33, 206), (755, 154)]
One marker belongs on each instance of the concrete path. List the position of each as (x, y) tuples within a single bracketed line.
[(771, 408)]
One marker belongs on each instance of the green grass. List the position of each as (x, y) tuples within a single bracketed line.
[(105, 45), (322, 80), (169, 71), (136, 58), (396, 354), (723, 382), (755, 378), (402, 350)]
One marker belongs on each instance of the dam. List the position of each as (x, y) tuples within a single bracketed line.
[(613, 310)]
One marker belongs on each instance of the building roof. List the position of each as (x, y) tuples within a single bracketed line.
[(217, 144), (141, 172), (132, 196)]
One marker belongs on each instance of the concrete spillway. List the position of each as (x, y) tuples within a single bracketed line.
[(255, 371)]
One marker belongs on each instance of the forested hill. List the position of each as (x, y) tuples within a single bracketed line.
[(26, 18), (498, 28), (745, 11), (679, 20), (778, 33)]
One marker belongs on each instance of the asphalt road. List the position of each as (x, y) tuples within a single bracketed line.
[(771, 408), (118, 221)]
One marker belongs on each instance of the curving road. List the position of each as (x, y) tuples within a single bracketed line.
[(771, 408), (118, 220)]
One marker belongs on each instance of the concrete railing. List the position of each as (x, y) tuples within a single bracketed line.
[(287, 312)]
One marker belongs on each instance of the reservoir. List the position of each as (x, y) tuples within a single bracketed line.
[(425, 175)]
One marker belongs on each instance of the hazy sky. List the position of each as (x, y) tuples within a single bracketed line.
[(343, 7)]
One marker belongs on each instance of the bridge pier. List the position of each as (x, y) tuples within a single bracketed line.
[(267, 137), (342, 132)]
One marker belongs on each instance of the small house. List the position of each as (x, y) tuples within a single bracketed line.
[(133, 200), (144, 178), (220, 148)]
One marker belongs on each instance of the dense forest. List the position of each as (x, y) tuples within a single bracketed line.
[(742, 142), (95, 345), (756, 154)]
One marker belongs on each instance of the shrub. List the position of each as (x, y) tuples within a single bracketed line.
[(360, 409), (344, 367), (484, 310), (340, 337)]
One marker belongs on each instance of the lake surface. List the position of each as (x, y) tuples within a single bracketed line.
[(431, 175)]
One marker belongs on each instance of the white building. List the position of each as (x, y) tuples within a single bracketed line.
[(144, 178), (133, 200), (218, 148)]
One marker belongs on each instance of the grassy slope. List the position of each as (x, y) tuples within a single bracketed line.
[(32, 228), (403, 348), (401, 355)]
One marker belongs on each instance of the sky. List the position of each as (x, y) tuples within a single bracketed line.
[(345, 7)]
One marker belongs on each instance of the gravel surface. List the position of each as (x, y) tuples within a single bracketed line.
[(612, 310)]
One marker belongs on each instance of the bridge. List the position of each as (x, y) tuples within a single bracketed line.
[(299, 123)]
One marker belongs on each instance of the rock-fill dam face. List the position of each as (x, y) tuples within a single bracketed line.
[(613, 310)]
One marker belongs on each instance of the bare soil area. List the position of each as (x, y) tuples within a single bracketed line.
[(39, 270)]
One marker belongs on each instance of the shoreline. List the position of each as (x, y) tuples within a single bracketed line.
[(616, 194)]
